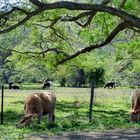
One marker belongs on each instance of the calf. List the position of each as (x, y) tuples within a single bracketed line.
[(13, 86), (46, 85), (135, 113), (110, 85), (37, 105)]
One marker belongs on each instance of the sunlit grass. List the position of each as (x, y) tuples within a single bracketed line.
[(110, 110)]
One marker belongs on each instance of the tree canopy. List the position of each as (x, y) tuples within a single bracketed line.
[(54, 32)]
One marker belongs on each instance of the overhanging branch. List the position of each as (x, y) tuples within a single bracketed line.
[(11, 11), (135, 21), (89, 14), (122, 3), (31, 14), (57, 51), (121, 26)]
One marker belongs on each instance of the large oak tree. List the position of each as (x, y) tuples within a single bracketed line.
[(102, 21)]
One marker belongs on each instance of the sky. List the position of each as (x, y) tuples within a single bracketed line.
[(7, 4)]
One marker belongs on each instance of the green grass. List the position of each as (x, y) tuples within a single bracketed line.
[(27, 86), (110, 110)]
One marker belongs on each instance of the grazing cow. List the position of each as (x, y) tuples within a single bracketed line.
[(135, 113), (11, 86), (37, 105), (46, 85), (15, 87), (110, 85)]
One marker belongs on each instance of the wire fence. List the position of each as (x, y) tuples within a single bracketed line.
[(13, 101)]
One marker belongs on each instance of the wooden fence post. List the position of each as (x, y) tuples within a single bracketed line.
[(2, 96), (91, 101)]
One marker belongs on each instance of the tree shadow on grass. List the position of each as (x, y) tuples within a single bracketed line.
[(76, 117), (11, 117), (17, 102), (65, 106), (119, 112), (69, 106), (113, 117)]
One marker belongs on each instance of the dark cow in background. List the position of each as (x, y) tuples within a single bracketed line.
[(110, 85), (47, 84), (13, 86), (135, 113)]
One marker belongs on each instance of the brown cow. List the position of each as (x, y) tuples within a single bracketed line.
[(135, 113), (37, 105)]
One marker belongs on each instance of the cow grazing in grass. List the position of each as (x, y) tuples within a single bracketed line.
[(110, 85), (135, 113), (37, 105), (13, 86), (46, 85)]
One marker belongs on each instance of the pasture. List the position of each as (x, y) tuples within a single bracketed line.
[(110, 110)]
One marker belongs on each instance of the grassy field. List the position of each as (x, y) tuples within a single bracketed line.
[(110, 110)]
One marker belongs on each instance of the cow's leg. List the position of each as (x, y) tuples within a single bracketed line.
[(51, 118), (40, 117)]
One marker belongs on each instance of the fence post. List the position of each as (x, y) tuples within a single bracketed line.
[(2, 96), (91, 101)]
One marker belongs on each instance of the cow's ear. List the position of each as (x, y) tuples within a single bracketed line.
[(28, 116)]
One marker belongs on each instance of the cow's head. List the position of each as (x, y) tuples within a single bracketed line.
[(134, 116), (25, 121)]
